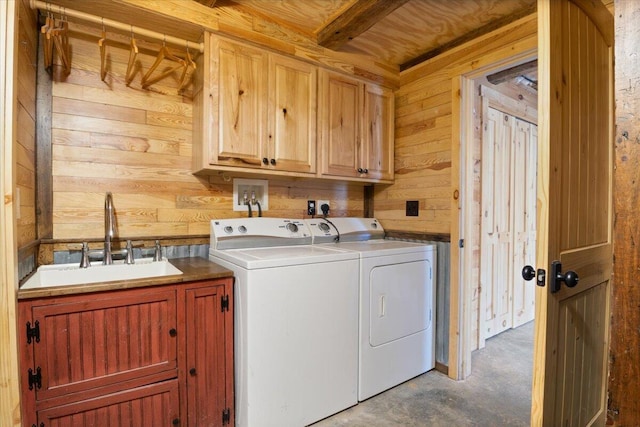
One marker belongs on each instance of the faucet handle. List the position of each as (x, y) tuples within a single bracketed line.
[(129, 259), (84, 259), (157, 255)]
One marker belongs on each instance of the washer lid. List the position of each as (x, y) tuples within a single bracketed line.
[(282, 256)]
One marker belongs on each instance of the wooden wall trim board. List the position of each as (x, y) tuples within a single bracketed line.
[(486, 44), (9, 380), (624, 388), (44, 184)]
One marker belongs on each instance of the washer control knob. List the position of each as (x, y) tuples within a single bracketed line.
[(292, 227), (324, 226), (242, 229), (228, 229), (374, 225)]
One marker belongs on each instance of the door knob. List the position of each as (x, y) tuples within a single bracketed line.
[(570, 278), (528, 273)]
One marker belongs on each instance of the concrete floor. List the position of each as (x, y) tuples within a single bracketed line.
[(498, 392)]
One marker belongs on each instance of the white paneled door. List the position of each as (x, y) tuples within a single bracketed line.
[(508, 225)]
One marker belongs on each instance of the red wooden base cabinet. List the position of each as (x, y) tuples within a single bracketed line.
[(156, 356)]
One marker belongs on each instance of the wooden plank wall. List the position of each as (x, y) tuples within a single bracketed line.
[(624, 388), (136, 143), (26, 126), (423, 142)]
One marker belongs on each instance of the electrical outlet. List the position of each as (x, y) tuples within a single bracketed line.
[(412, 208), (324, 205), (311, 207)]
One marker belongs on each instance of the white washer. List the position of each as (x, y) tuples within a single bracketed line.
[(397, 325), (296, 317)]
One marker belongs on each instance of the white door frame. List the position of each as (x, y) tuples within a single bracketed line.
[(461, 306)]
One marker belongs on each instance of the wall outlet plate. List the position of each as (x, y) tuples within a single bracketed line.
[(320, 204), (258, 187), (311, 207), (413, 207)]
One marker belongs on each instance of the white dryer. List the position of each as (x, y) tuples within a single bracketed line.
[(296, 321), (396, 291)]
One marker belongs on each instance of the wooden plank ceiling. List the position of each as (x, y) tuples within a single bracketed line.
[(397, 33)]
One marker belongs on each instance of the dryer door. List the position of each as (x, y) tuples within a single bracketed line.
[(400, 301)]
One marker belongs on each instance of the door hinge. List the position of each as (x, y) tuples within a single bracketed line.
[(461, 243), (226, 416), (35, 379), (224, 303), (33, 333)]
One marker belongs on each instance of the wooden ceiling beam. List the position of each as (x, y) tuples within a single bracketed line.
[(513, 72), (357, 19), (486, 29), (208, 3)]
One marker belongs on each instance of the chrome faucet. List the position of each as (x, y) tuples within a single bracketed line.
[(109, 228)]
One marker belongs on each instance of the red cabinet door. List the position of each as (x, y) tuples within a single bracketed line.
[(152, 405), (99, 344), (209, 354)]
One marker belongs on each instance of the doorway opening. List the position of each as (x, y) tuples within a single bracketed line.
[(498, 182)]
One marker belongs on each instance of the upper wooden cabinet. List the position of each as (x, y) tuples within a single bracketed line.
[(356, 128), (255, 110), (293, 89)]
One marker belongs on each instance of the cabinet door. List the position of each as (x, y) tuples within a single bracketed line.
[(292, 114), (239, 74), (153, 405), (105, 342), (378, 132), (209, 353), (339, 116)]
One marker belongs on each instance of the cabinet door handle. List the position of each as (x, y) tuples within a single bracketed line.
[(366, 170), (360, 170), (273, 162), (192, 372), (265, 160), (176, 421), (173, 332)]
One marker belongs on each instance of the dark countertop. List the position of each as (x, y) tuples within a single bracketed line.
[(192, 269)]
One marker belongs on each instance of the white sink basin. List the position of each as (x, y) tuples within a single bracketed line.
[(72, 274)]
